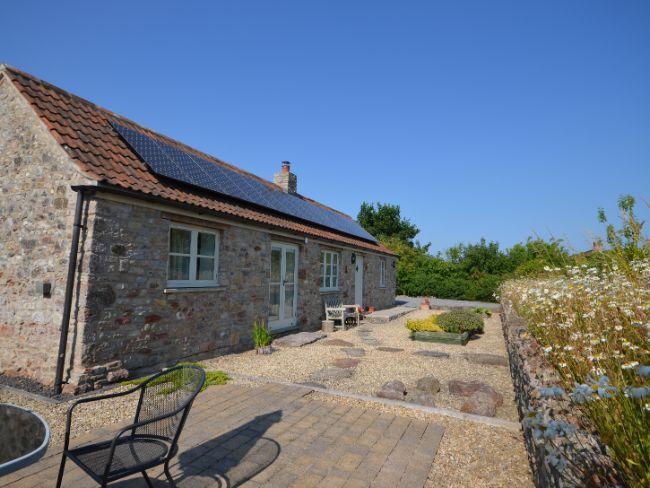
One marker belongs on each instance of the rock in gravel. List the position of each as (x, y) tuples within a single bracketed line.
[(345, 363), (468, 388), (395, 385), (432, 354), (489, 359), (299, 339), (331, 373), (421, 398), (428, 384), (480, 403), (337, 342), (464, 388), (390, 349), (355, 352)]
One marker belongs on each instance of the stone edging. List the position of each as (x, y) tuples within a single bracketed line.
[(447, 412), (531, 371)]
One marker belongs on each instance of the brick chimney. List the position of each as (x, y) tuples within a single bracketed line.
[(285, 179)]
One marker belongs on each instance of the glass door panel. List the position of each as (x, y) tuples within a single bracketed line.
[(283, 286)]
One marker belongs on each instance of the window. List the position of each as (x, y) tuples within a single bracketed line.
[(329, 276), (193, 257), (382, 273)]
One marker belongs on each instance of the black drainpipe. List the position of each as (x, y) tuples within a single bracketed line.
[(69, 289)]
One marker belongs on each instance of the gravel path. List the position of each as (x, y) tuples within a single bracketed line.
[(376, 366)]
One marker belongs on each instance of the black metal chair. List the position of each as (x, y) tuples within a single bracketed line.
[(164, 403)]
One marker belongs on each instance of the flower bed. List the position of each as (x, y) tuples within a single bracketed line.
[(592, 327)]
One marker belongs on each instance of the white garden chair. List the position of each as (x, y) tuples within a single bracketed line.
[(335, 310)]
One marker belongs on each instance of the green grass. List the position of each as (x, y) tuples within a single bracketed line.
[(212, 378)]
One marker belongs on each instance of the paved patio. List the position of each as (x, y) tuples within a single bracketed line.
[(277, 435)]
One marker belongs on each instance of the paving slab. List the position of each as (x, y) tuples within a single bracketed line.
[(276, 435), (299, 339)]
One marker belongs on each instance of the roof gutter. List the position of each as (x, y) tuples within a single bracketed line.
[(69, 290)]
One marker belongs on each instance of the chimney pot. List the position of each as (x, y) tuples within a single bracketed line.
[(285, 179)]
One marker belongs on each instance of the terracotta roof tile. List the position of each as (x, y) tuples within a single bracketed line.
[(83, 129)]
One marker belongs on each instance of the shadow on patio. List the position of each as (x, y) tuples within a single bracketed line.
[(224, 461)]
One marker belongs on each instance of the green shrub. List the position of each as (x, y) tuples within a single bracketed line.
[(421, 325), (459, 321), (483, 311), (261, 335)]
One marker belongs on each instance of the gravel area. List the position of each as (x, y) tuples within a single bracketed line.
[(87, 417), (470, 454), (377, 367)]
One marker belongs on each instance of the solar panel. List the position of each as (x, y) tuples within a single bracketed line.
[(172, 162)]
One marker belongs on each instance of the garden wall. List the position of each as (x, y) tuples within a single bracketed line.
[(587, 463)]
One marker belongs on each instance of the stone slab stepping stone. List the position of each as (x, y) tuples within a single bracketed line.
[(429, 384), (489, 359), (337, 342), (480, 403), (468, 388), (345, 362), (431, 354), (355, 352), (331, 373), (390, 349), (394, 390), (424, 398), (299, 339)]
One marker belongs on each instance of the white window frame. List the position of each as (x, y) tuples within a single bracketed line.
[(326, 271), (194, 239), (382, 273)]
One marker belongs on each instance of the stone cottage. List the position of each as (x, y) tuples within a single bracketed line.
[(112, 259)]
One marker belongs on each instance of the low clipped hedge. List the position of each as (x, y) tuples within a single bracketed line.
[(459, 321), (423, 325)]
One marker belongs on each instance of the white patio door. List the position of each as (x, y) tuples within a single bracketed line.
[(358, 281), (283, 295)]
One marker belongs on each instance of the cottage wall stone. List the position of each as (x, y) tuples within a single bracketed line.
[(128, 316), (36, 208)]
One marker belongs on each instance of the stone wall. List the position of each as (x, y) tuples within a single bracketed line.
[(587, 462), (127, 316), (36, 211)]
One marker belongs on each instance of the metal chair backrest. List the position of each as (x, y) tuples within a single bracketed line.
[(172, 390)]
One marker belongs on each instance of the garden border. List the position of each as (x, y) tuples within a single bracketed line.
[(531, 371)]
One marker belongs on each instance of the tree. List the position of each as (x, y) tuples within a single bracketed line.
[(384, 221)]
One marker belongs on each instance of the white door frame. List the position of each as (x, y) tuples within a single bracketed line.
[(358, 281), (284, 322)]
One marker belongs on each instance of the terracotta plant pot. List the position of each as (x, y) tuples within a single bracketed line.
[(425, 305), (371, 309)]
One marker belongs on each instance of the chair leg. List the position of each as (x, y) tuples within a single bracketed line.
[(59, 479), (146, 478), (169, 475)]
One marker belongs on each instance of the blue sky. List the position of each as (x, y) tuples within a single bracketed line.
[(481, 119)]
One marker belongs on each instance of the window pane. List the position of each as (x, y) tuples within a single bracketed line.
[(179, 267), (205, 269), (290, 266), (276, 258), (274, 303), (327, 281), (328, 258), (206, 244), (179, 240), (288, 301), (335, 281)]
